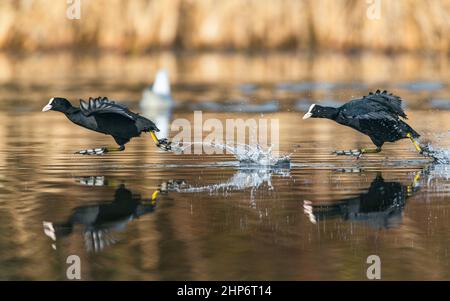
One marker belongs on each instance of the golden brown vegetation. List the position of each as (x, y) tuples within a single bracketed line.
[(140, 25)]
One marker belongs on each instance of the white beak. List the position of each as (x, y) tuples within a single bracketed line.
[(48, 106), (309, 114)]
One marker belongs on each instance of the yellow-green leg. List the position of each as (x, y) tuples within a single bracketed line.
[(155, 139), (423, 149), (415, 184), (163, 144), (370, 150), (414, 141), (155, 196)]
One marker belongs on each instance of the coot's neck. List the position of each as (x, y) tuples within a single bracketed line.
[(328, 112), (71, 111)]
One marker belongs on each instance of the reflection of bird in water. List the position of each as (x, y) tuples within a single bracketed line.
[(157, 102), (381, 206), (101, 219)]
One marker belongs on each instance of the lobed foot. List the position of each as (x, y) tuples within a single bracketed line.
[(164, 144), (172, 185), (425, 150), (428, 153), (94, 151), (351, 152)]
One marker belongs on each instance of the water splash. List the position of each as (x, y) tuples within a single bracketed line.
[(439, 155), (243, 179), (247, 178), (245, 154), (436, 178)]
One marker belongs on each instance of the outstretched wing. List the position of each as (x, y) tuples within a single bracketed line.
[(101, 105), (369, 119), (391, 102)]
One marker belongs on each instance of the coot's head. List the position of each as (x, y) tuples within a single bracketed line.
[(316, 111), (57, 104)]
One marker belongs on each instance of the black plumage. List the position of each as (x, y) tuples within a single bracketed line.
[(381, 205), (102, 219), (107, 117), (378, 115)]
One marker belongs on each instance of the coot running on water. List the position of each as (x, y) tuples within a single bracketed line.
[(107, 117), (377, 115)]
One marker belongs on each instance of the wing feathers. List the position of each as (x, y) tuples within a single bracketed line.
[(388, 100), (102, 105)]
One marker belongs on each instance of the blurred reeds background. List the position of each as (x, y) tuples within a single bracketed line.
[(142, 25)]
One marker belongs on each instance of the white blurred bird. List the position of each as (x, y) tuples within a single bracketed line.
[(157, 103)]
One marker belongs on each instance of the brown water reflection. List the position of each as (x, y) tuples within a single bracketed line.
[(212, 219)]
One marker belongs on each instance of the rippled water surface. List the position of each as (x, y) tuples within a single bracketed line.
[(145, 214)]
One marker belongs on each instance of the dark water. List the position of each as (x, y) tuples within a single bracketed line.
[(162, 216)]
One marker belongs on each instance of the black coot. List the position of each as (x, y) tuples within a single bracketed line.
[(377, 115), (107, 117)]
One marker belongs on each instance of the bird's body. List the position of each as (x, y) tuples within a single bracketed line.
[(124, 208), (381, 205), (102, 219), (107, 117), (122, 126), (378, 115)]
